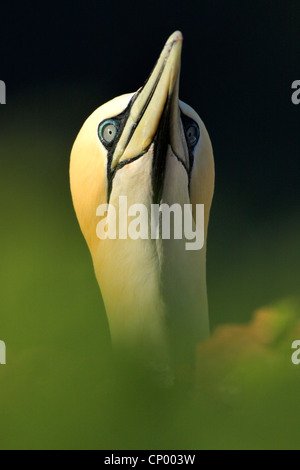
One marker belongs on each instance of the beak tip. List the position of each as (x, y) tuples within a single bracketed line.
[(175, 37)]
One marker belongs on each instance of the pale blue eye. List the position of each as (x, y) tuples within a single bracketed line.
[(108, 131), (192, 134)]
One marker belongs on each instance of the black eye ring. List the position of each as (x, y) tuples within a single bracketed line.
[(108, 131)]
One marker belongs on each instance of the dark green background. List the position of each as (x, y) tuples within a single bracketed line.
[(60, 62)]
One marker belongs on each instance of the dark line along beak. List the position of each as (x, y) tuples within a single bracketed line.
[(150, 106)]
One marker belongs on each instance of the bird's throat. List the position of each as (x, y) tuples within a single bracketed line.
[(154, 290)]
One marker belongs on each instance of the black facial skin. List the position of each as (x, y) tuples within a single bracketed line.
[(161, 143)]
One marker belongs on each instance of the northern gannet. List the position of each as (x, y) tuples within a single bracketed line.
[(152, 148)]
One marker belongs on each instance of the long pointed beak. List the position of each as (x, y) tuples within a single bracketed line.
[(149, 104)]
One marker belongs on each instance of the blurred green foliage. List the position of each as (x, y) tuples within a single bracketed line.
[(60, 387)]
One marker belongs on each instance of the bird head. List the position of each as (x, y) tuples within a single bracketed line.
[(152, 148)]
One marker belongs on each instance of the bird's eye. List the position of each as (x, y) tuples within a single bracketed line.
[(192, 134), (108, 131)]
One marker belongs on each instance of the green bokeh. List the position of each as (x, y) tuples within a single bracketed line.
[(59, 388)]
